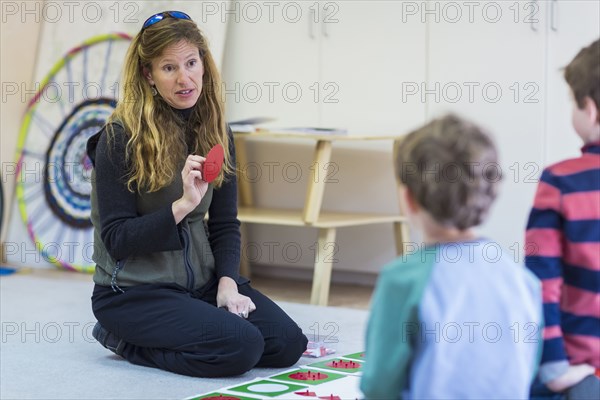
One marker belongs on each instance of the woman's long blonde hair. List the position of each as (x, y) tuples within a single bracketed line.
[(156, 145)]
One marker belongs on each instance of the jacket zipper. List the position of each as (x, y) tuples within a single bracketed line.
[(187, 261), (113, 281)]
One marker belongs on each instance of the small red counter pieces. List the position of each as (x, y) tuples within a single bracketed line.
[(307, 393), (343, 364), (309, 376)]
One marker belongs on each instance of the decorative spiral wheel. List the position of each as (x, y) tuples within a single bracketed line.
[(53, 170)]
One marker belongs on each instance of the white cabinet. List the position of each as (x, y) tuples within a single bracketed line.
[(511, 54), (351, 59), (371, 54), (489, 66), (327, 63), (572, 25), (271, 62), (385, 67)]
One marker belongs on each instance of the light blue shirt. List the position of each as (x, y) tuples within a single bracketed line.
[(453, 321)]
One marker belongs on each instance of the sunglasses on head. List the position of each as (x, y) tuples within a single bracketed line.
[(165, 14)]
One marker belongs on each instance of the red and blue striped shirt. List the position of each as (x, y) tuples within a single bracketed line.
[(563, 250)]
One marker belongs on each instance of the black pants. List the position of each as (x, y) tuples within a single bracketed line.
[(165, 326)]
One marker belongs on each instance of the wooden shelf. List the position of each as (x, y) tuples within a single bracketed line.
[(326, 219), (311, 214)]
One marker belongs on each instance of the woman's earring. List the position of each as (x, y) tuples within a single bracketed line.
[(154, 91)]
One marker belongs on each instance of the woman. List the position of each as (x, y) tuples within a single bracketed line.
[(168, 292)]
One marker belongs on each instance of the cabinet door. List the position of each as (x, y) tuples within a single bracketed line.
[(487, 64), (370, 53), (572, 25), (271, 62)]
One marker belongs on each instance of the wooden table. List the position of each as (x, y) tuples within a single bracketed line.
[(311, 215)]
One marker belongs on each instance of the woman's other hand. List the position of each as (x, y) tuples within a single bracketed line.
[(228, 297), (194, 188)]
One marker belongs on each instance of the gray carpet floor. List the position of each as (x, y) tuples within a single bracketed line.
[(47, 351)]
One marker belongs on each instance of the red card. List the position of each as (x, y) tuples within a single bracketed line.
[(213, 163)]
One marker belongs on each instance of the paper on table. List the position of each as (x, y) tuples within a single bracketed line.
[(313, 130), (242, 128), (248, 124)]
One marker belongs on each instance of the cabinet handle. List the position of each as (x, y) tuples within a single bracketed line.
[(553, 15), (324, 23), (533, 23), (311, 24), (324, 29)]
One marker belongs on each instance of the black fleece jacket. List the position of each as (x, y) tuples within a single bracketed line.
[(125, 233)]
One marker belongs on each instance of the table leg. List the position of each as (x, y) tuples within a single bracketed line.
[(245, 269), (244, 187), (244, 199), (316, 185), (401, 236), (324, 258)]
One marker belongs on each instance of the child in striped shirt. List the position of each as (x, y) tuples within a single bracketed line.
[(563, 245)]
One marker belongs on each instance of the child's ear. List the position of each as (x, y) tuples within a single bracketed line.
[(591, 110), (409, 200)]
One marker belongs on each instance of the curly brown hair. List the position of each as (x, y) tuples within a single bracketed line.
[(450, 166)]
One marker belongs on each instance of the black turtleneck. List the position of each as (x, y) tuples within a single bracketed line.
[(185, 113), (125, 233)]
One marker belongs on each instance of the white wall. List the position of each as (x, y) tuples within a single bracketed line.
[(16, 72), (521, 47)]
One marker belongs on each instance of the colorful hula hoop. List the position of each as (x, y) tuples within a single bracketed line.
[(53, 171)]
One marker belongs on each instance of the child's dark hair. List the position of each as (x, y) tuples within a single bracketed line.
[(450, 167), (583, 74)]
